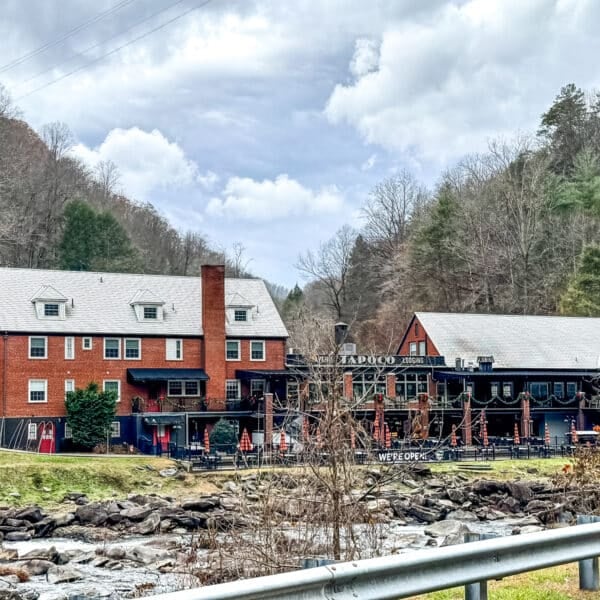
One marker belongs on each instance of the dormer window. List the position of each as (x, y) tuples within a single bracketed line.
[(51, 310), (150, 313), (147, 306), (240, 315), (49, 303)]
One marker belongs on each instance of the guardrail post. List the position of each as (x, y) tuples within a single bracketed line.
[(477, 590), (589, 576)]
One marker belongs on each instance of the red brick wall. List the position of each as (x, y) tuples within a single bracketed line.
[(89, 365), (416, 333), (213, 326)]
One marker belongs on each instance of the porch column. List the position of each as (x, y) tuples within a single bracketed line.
[(525, 416), (390, 385), (268, 421), (467, 425), (348, 393), (580, 415), (424, 415)]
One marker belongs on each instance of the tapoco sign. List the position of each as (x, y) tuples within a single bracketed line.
[(389, 360)]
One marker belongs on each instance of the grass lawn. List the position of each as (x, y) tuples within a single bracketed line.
[(557, 583), (45, 479)]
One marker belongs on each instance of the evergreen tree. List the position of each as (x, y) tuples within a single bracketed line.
[(90, 413), (223, 434), (293, 303), (582, 190), (582, 297), (94, 241)]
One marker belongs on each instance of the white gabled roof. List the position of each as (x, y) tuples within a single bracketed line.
[(236, 300), (47, 292), (516, 341), (100, 303), (146, 297)]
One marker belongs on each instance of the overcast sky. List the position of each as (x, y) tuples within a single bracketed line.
[(267, 122)]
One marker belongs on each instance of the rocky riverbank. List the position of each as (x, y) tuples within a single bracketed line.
[(153, 534)]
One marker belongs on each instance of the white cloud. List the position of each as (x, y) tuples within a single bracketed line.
[(268, 200), (365, 59), (146, 161), (369, 163), (446, 82)]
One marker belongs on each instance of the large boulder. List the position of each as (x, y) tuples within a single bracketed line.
[(520, 490), (148, 525), (486, 487), (33, 514), (138, 513), (428, 515), (448, 532), (201, 504), (92, 514), (61, 574)]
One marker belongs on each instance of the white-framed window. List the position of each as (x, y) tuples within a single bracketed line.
[(51, 309), (38, 390), (69, 348), (257, 387), (150, 313), (494, 389), (422, 349), (112, 385), (412, 349), (410, 385), (240, 315), (69, 386), (257, 350), (174, 349), (507, 390), (232, 350), (86, 343), (112, 348), (68, 432), (32, 431), (558, 389), (188, 387), (539, 390), (38, 347), (115, 429), (232, 389), (133, 349)]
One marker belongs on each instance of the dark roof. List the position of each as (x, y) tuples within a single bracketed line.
[(528, 373), (144, 375)]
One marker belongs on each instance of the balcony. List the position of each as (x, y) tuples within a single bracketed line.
[(196, 405)]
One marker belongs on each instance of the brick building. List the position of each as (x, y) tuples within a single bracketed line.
[(181, 352)]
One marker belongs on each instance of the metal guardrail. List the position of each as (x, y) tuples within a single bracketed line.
[(404, 575)]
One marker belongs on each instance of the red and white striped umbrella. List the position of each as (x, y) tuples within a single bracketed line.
[(376, 428), (574, 436), (453, 438), (283, 442), (352, 439), (319, 440), (305, 433), (484, 432), (547, 435), (206, 441), (388, 435), (245, 443), (516, 437)]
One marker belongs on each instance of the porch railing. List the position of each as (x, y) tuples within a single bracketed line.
[(197, 404)]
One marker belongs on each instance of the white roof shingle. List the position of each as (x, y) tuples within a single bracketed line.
[(101, 303), (516, 341)]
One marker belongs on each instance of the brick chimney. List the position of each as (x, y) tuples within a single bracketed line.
[(213, 326)]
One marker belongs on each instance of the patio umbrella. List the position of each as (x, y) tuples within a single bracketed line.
[(453, 438), (376, 427), (319, 440), (388, 435), (574, 436), (484, 433), (352, 439), (245, 443), (547, 435), (516, 438), (305, 429), (282, 442), (206, 441)]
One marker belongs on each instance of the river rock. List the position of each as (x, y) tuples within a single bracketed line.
[(17, 536), (61, 574), (48, 554), (38, 566), (33, 514), (449, 531), (519, 490), (422, 513), (10, 595), (485, 487), (63, 519), (94, 514), (168, 472), (462, 515), (207, 503), (148, 525), (138, 513)]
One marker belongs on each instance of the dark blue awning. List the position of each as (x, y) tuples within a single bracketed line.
[(267, 373), (148, 375)]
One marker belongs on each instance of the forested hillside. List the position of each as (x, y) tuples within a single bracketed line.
[(56, 213), (513, 230)]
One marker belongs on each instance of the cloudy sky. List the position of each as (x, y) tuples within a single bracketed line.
[(267, 122)]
